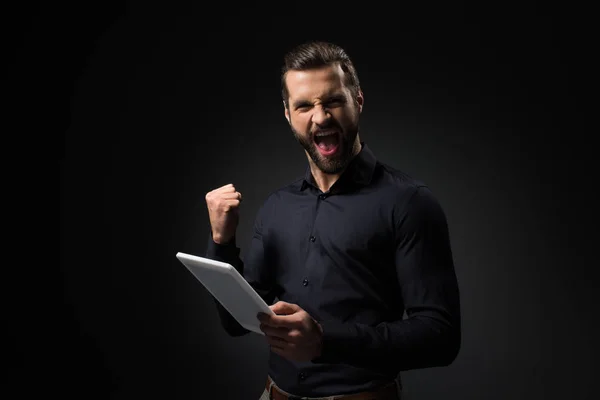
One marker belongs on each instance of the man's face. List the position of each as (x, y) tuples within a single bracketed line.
[(323, 115)]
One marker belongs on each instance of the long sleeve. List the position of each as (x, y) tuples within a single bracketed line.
[(255, 270), (431, 334), (228, 253)]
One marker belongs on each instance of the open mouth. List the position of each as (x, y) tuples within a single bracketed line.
[(327, 142)]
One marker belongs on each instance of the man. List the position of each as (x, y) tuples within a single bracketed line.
[(345, 250)]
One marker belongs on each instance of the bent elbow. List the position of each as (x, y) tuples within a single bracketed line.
[(450, 345)]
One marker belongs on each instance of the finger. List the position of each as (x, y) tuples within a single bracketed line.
[(292, 321), (276, 341), (231, 196), (282, 307), (232, 204), (287, 337), (224, 205), (226, 188), (272, 331)]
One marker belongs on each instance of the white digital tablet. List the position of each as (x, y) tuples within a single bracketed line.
[(230, 288)]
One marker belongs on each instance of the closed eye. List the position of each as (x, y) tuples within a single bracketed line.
[(302, 106), (336, 102), (331, 102)]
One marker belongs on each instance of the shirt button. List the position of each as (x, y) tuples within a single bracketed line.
[(312, 238), (305, 282), (322, 196), (302, 376)]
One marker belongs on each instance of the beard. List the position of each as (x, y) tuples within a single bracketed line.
[(336, 163)]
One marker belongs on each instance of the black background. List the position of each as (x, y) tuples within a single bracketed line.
[(146, 107)]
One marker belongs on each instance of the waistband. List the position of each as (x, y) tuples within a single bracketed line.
[(391, 391)]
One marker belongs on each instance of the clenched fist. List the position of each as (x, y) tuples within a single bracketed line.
[(223, 210)]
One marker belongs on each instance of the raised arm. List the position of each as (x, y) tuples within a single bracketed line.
[(223, 206)]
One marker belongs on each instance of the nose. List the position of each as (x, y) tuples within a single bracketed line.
[(321, 115)]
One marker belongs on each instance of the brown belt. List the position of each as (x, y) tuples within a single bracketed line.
[(387, 392)]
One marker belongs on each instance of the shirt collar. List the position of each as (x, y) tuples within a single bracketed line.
[(359, 171)]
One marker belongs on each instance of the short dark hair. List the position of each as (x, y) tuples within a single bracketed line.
[(317, 54)]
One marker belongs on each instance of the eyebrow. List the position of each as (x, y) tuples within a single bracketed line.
[(327, 99)]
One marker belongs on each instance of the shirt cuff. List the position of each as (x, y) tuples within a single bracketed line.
[(224, 252)]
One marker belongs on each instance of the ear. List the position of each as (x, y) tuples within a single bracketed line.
[(360, 100), (287, 113)]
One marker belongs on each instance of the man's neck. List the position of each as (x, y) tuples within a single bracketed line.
[(325, 181)]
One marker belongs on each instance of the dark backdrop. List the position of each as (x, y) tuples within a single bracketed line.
[(150, 106)]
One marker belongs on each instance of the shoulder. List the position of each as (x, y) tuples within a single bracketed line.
[(279, 195), (412, 197), (400, 186)]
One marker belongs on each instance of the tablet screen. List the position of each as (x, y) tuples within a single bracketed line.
[(226, 285)]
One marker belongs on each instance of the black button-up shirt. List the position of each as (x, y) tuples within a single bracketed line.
[(356, 258)]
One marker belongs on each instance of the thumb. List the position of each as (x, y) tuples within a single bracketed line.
[(282, 308)]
